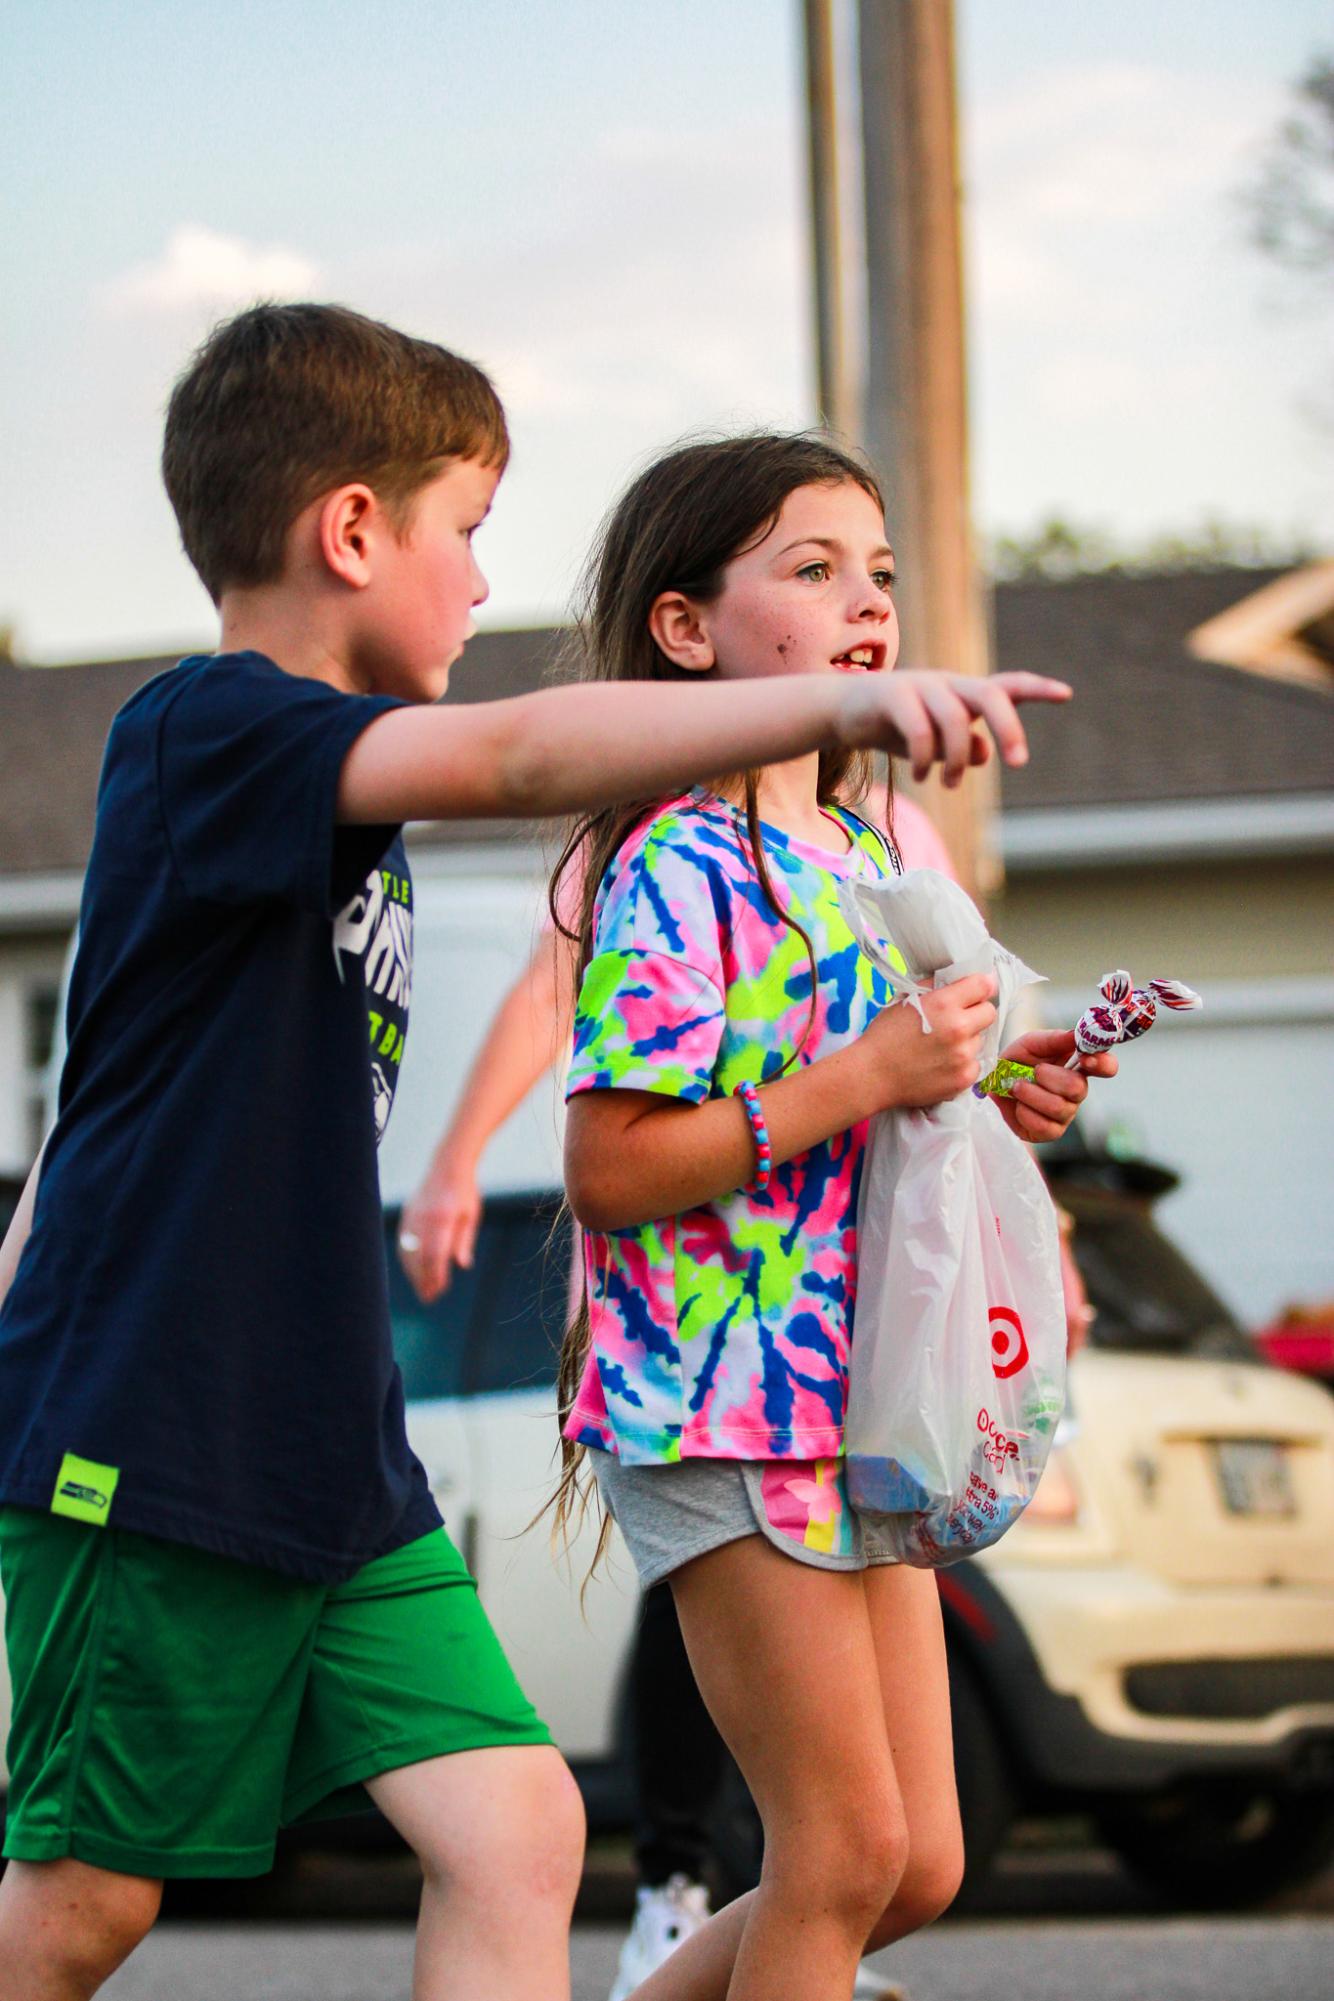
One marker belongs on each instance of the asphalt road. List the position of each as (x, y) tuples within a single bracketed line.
[(1053, 1927), (1236, 1959)]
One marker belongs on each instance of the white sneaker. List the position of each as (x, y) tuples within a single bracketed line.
[(870, 1983), (663, 1918)]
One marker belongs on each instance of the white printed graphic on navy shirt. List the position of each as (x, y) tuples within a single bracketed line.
[(376, 927)]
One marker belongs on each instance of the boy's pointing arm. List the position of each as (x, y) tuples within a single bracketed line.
[(598, 744)]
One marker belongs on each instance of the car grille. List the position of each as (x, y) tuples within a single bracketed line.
[(1229, 1690)]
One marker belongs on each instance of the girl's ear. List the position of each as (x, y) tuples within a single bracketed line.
[(677, 630)]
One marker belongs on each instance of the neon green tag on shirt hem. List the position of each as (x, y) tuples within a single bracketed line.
[(84, 1489)]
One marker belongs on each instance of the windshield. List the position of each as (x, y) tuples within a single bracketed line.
[(499, 1324), (1147, 1297)]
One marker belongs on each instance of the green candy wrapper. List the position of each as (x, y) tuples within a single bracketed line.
[(1002, 1080)]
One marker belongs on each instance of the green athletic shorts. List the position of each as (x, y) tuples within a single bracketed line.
[(173, 1709)]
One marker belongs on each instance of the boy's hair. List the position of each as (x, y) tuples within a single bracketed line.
[(284, 403)]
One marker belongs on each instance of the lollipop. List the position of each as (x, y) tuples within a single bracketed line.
[(1138, 1012), (1174, 995), (1125, 1012), (1098, 1028)]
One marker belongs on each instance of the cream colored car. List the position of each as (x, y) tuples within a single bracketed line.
[(1154, 1641)]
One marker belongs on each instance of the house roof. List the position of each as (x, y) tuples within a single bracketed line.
[(54, 723), (1151, 722)]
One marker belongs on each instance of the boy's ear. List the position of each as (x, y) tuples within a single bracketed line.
[(678, 631), (346, 519)]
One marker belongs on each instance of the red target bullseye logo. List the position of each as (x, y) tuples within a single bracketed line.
[(1009, 1349)]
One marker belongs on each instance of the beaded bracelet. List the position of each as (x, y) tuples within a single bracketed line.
[(764, 1157)]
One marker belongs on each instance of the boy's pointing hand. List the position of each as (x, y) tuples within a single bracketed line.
[(933, 718)]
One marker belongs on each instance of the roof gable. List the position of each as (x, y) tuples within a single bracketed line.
[(1285, 628)]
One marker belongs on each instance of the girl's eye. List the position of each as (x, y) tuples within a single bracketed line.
[(883, 579), (816, 571)]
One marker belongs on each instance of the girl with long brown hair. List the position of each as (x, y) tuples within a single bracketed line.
[(730, 1044)]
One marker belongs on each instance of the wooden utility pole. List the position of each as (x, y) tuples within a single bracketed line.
[(834, 379), (916, 409)]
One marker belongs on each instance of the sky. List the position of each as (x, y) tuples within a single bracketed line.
[(605, 205)]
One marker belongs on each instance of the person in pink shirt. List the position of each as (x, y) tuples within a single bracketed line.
[(731, 1044)]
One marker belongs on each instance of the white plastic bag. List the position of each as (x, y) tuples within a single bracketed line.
[(958, 1346)]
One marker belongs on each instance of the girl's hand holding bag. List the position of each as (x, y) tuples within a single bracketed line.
[(959, 1340)]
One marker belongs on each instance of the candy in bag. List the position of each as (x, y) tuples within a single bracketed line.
[(957, 1375)]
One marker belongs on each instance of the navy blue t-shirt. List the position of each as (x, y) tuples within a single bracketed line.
[(202, 1303)]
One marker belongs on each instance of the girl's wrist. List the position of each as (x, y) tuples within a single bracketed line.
[(749, 1099), (862, 1082)]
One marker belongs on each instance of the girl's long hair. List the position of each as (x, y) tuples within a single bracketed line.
[(676, 528)]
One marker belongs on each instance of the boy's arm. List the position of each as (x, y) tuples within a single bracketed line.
[(20, 1228), (597, 744), (439, 1226)]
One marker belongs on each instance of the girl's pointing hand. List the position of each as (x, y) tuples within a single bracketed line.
[(932, 718)]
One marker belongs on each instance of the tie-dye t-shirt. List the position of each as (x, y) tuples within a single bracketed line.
[(723, 1333)]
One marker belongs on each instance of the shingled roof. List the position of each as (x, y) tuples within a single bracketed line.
[(54, 723), (1151, 723)]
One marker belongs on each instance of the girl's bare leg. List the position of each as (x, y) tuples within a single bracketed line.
[(909, 1639), (787, 1663)]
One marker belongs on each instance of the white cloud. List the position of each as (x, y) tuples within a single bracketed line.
[(1114, 141), (1080, 179), (633, 298), (202, 267)]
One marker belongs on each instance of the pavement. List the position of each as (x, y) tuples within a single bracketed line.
[(1054, 1925), (1234, 1959)]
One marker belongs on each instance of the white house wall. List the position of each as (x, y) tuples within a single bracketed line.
[(476, 914), (1237, 1098), (1251, 920), (26, 962)]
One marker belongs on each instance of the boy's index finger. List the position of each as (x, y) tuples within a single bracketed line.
[(991, 700), (1021, 686), (996, 696)]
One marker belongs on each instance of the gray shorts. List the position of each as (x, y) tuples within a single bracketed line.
[(671, 1513)]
